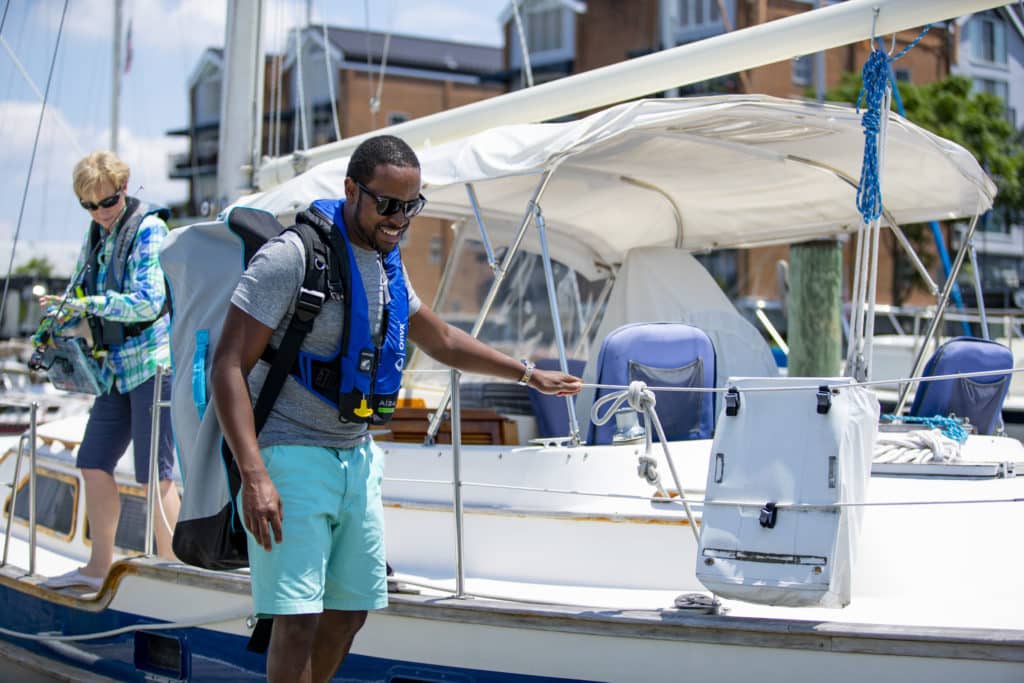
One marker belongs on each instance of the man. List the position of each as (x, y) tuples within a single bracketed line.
[(310, 494)]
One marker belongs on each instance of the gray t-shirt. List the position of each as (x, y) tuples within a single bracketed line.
[(267, 292)]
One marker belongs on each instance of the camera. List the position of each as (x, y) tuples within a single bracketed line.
[(38, 359)]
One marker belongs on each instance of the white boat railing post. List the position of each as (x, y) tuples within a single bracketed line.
[(14, 497), (33, 421), (556, 318), (460, 569), (153, 497), (492, 294)]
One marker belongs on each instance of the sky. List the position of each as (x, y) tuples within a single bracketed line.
[(168, 38)]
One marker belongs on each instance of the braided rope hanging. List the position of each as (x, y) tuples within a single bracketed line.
[(875, 77)]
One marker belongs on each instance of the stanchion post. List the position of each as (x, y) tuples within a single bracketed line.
[(460, 574)]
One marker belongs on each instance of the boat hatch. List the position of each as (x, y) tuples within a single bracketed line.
[(162, 654)]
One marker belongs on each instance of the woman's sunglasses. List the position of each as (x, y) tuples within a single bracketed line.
[(389, 206), (104, 203)]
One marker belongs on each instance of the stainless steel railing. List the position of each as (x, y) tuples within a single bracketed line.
[(30, 439), (153, 497), (152, 490)]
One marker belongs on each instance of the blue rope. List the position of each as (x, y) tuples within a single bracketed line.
[(950, 426), (875, 77)]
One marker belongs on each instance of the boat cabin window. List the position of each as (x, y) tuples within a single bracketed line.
[(55, 502), (131, 525)]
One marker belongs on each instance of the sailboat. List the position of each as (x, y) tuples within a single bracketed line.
[(551, 558)]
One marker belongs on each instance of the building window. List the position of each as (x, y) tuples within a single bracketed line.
[(544, 30), (323, 124), (434, 255), (803, 70), (902, 75), (397, 117), (992, 86), (988, 39), (699, 13)]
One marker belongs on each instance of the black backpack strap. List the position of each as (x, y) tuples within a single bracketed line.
[(307, 306)]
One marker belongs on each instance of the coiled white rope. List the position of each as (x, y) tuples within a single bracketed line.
[(642, 400), (917, 446)]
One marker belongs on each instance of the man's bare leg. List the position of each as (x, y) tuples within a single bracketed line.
[(291, 647), (334, 635)]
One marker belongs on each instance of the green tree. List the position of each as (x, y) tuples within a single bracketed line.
[(976, 121), (35, 267)]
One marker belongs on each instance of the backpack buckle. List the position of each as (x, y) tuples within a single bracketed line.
[(308, 304)]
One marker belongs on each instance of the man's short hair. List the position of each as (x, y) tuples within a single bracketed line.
[(380, 149)]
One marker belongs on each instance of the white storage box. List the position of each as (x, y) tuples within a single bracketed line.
[(781, 449)]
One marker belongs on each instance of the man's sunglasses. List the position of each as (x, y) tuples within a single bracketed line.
[(389, 206), (104, 203)]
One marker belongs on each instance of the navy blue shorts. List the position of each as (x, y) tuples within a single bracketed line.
[(117, 419)]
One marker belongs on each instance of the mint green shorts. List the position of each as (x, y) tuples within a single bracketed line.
[(332, 553)]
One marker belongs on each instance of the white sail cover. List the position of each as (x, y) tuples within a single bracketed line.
[(697, 173)]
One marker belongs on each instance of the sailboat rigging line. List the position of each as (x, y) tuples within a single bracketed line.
[(302, 91), (3, 19), (369, 65), (382, 72), (330, 83), (167, 626), (271, 132), (35, 89), (32, 160), (524, 50)]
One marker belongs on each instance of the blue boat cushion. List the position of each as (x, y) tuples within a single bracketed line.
[(660, 346), (979, 399), (679, 412), (552, 412)]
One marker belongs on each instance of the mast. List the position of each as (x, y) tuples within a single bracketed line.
[(115, 81), (241, 103), (783, 39)]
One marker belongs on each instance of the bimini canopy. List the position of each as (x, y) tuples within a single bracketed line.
[(697, 173)]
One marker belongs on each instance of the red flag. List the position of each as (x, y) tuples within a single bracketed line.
[(128, 48)]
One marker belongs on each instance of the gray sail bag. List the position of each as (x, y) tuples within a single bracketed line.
[(202, 264)]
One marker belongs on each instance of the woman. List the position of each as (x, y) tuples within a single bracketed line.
[(118, 289)]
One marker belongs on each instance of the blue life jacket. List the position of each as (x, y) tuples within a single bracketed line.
[(363, 376)]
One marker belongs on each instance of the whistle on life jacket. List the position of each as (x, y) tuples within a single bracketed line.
[(364, 411)]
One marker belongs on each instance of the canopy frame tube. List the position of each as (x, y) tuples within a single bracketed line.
[(492, 294)]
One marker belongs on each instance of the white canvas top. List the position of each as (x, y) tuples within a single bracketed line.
[(697, 173)]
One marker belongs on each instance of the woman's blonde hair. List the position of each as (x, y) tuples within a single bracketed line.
[(100, 166)]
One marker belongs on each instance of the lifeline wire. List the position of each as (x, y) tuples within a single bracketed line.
[(814, 387)]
